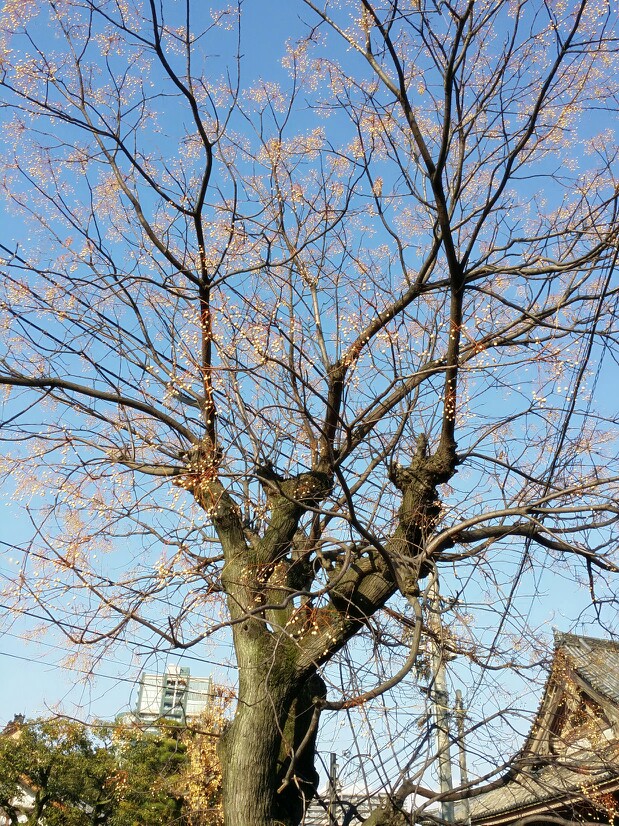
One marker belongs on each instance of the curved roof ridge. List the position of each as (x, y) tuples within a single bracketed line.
[(561, 637), (595, 660)]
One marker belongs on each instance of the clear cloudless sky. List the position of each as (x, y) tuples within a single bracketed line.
[(35, 677)]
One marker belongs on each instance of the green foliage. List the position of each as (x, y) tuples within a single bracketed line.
[(50, 763), (148, 780), (68, 774)]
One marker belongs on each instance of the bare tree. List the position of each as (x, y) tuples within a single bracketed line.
[(257, 328)]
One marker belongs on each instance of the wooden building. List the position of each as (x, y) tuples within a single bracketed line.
[(568, 768)]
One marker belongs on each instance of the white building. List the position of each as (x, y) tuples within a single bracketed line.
[(175, 695)]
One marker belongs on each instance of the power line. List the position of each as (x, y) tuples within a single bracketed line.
[(60, 667), (147, 650), (181, 655)]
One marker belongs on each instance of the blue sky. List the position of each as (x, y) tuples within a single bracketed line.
[(36, 680)]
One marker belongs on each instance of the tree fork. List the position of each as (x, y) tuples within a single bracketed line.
[(419, 511)]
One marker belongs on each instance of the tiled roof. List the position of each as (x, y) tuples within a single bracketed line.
[(596, 662), (551, 783)]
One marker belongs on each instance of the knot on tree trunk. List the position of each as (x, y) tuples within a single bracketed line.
[(420, 509), (202, 462), (201, 478)]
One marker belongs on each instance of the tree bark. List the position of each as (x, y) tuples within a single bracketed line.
[(273, 718), (249, 750)]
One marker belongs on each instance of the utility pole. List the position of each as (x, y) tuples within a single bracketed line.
[(333, 790), (440, 702), (464, 776)]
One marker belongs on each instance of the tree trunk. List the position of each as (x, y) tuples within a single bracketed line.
[(272, 719), (8, 811), (38, 807), (250, 749)]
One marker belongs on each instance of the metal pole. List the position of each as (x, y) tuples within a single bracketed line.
[(333, 790), (440, 700), (464, 776)]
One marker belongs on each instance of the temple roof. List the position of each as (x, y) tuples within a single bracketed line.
[(552, 788), (596, 661), (547, 778)]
